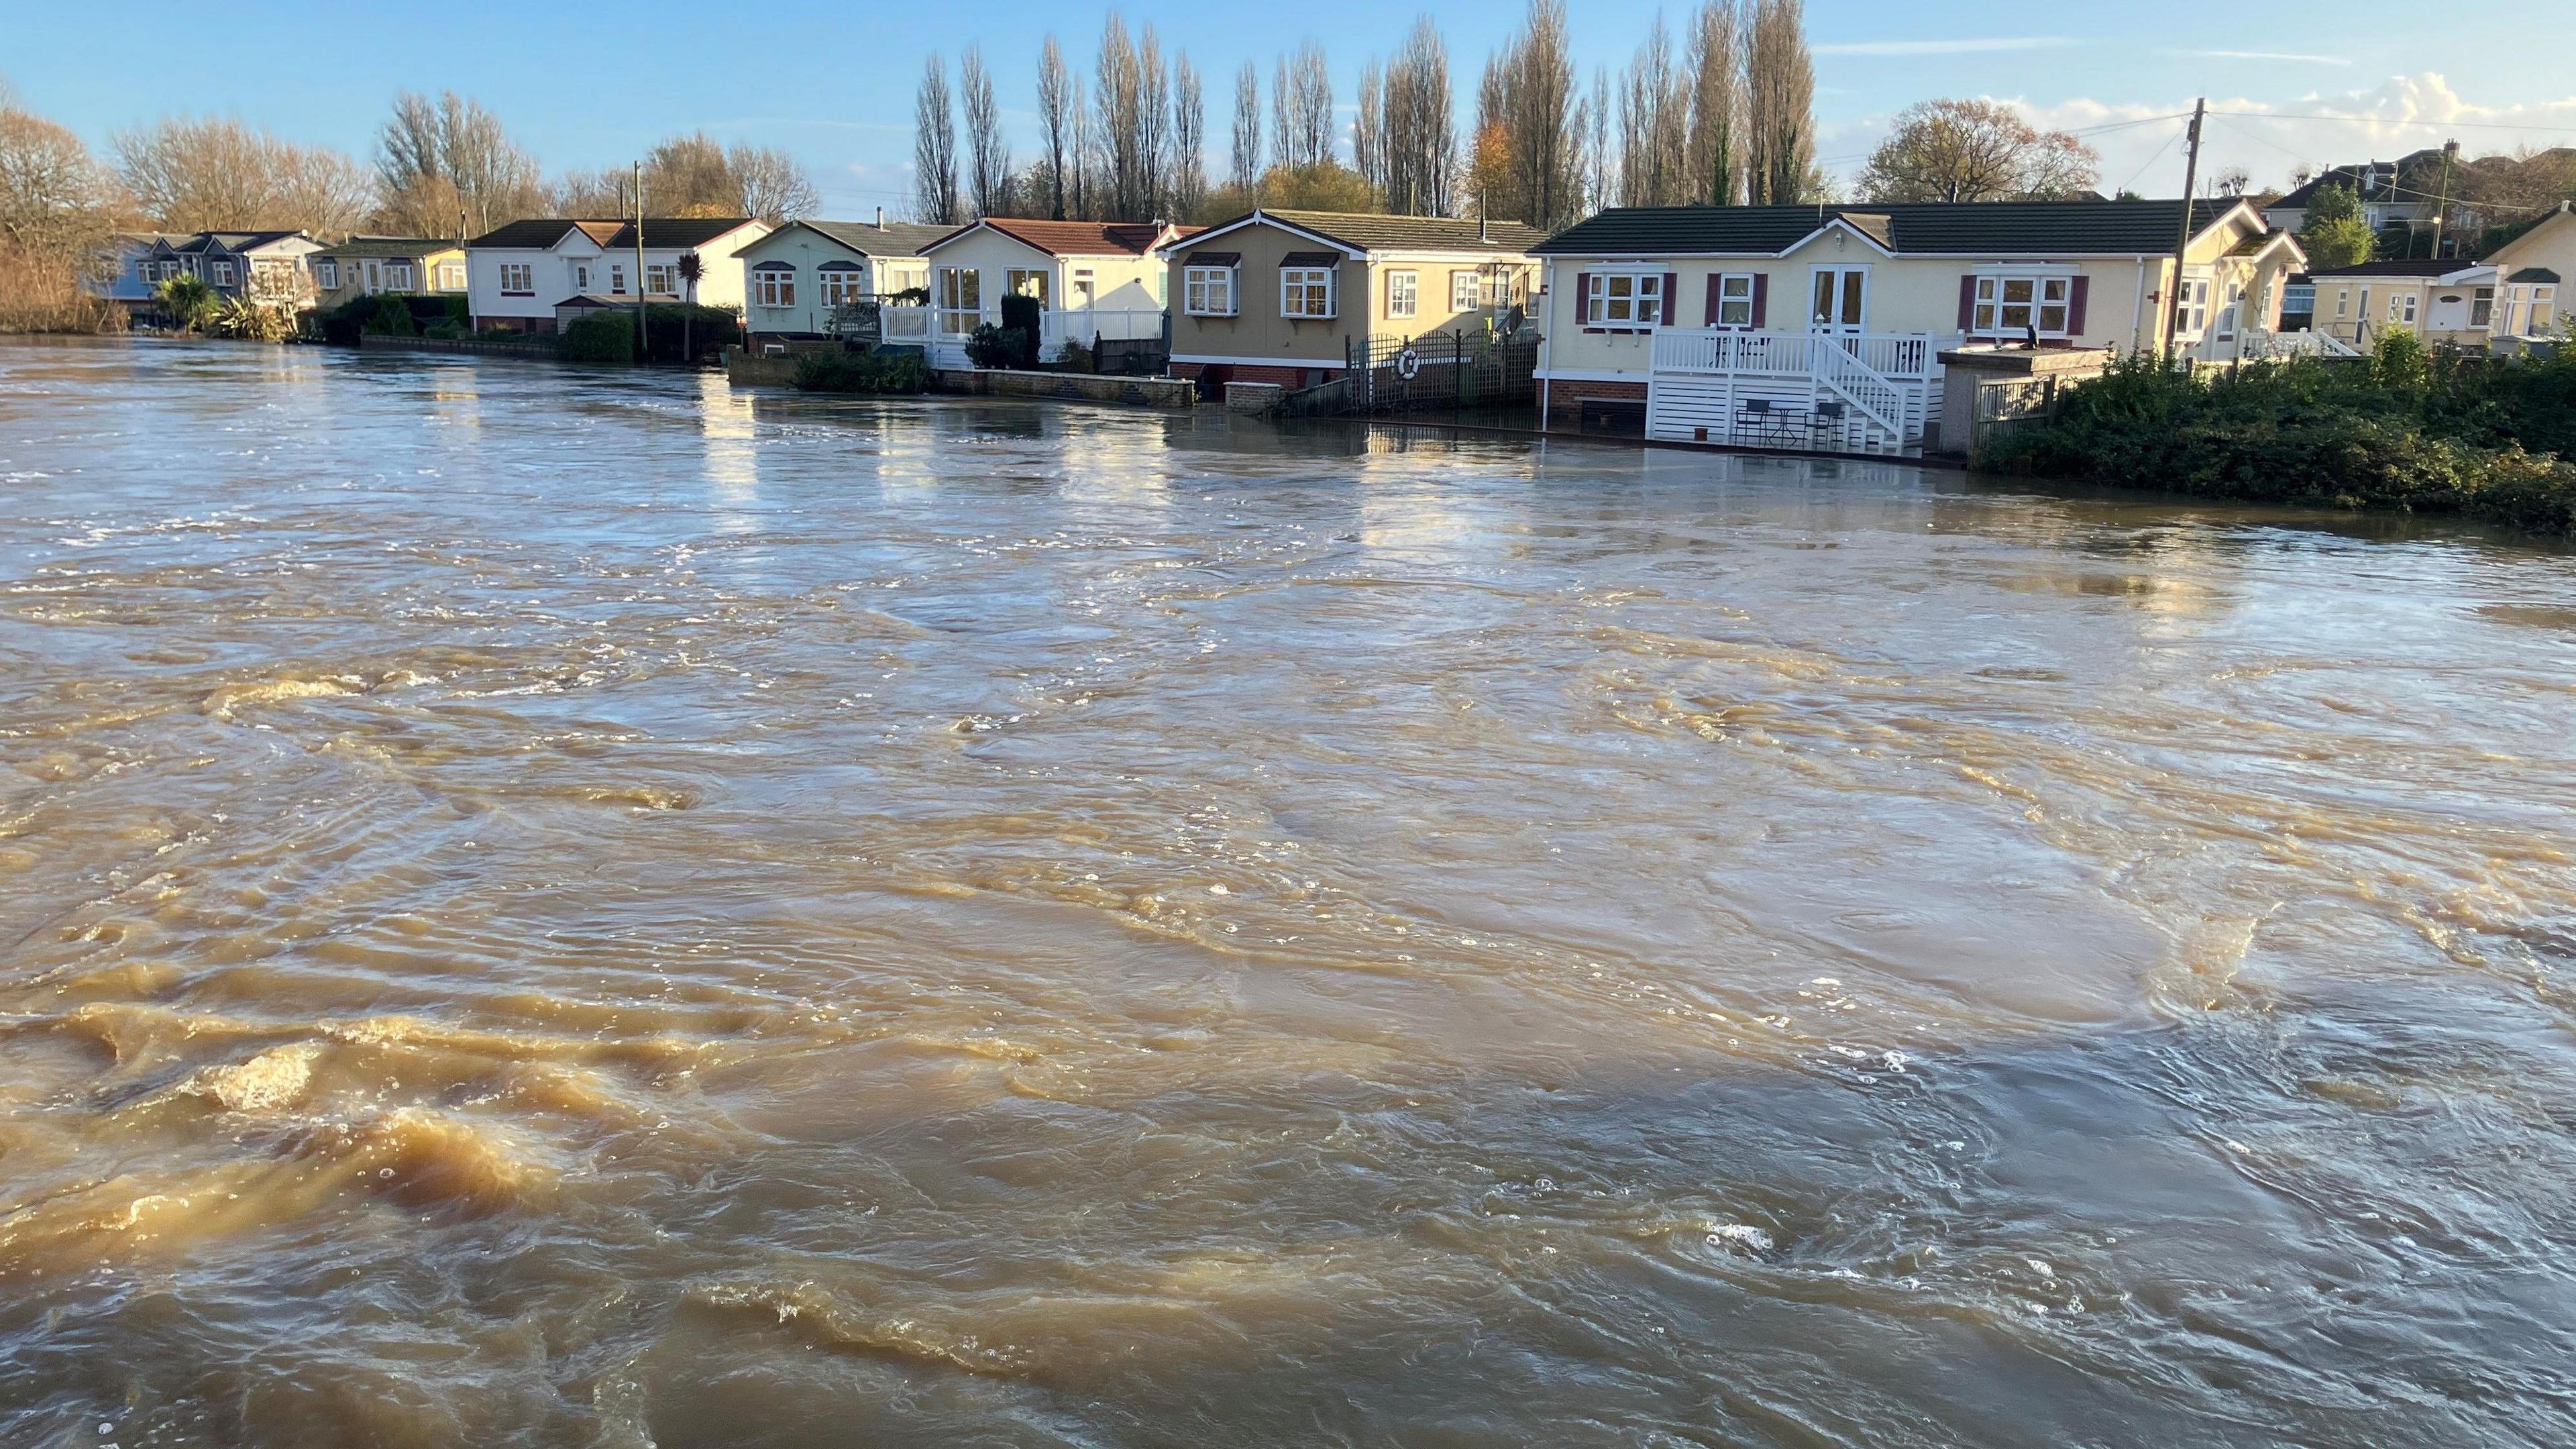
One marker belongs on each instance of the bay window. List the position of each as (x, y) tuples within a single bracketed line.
[(1623, 299), (773, 284), (1207, 291), (1306, 291)]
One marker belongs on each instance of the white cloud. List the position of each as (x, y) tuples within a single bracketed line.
[(1944, 47), (2269, 138)]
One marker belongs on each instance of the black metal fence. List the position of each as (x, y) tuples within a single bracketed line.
[(1441, 372)]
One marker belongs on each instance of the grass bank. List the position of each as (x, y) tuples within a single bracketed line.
[(2404, 429)]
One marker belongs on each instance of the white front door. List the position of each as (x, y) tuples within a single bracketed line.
[(1838, 300)]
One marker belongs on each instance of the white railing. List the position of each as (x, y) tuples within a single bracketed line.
[(1791, 354), (2258, 343), (945, 329)]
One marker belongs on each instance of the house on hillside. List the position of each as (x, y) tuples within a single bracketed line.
[(2531, 271), (518, 276), (1823, 326), (1291, 296), (1094, 281), (794, 278), (366, 266), (2382, 187)]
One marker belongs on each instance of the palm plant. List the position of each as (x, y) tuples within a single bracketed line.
[(691, 269), (188, 299)]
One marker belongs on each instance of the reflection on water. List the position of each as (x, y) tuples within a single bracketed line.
[(555, 908)]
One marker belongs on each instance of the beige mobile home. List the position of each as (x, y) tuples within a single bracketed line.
[(1284, 296), (2531, 272), (1823, 326), (1093, 281)]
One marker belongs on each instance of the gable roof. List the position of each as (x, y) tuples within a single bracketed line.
[(233, 241), (1360, 231), (1916, 228), (2407, 267), (2382, 177), (1073, 238), (665, 232), (388, 246), (891, 239)]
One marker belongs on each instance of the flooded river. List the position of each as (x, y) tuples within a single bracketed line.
[(557, 909)]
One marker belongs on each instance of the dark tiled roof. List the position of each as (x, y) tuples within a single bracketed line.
[(231, 241), (665, 232), (894, 239), (1374, 232), (536, 232), (1968, 228), (2534, 274), (2349, 178), (1311, 259), (2403, 267)]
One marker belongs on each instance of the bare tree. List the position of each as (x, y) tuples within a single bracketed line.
[(1975, 151), (1086, 157), (54, 199), (1527, 95), (1654, 126), (1301, 102), (1057, 123), (1598, 179), (1189, 139), (1716, 104), (590, 194), (1421, 144), (1153, 130), (1247, 157), (934, 147), (1368, 128), (1779, 105), (769, 184), (191, 175), (690, 176), (447, 163), (988, 167)]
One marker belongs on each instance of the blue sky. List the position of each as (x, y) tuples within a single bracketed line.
[(833, 82)]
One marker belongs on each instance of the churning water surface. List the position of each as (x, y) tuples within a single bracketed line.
[(547, 908)]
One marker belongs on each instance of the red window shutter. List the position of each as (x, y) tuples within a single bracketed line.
[(1668, 314), (1967, 302), (2075, 305), (1582, 298), (1713, 287), (1761, 299)]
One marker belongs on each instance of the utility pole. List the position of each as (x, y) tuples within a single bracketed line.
[(2182, 243), (2442, 207), (641, 352)]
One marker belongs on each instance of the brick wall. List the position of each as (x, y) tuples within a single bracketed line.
[(1567, 396)]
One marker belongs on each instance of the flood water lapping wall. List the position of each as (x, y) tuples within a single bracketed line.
[(556, 908)]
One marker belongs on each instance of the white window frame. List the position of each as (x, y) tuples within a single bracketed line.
[(2191, 315), (398, 277), (2401, 308), (223, 274), (1300, 287), (1208, 291), (518, 279), (451, 276), (1403, 293), (2482, 306), (1609, 303), (617, 279), (1466, 291), (1085, 289), (773, 285), (1017, 281), (326, 275), (662, 277), (958, 314), (1730, 297), (835, 285), (2043, 300)]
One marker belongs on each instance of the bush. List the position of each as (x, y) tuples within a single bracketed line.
[(1077, 358), (883, 371), (684, 331), (1024, 316), (607, 335), (2405, 429), (991, 346), (391, 318), (459, 313)]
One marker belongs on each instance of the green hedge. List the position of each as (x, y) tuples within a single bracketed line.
[(883, 371), (603, 336), (608, 335), (2405, 429)]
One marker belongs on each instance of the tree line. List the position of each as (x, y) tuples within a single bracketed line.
[(1728, 118)]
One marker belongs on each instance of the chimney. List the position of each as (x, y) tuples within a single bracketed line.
[(880, 218)]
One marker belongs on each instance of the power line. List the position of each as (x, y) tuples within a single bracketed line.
[(2384, 121)]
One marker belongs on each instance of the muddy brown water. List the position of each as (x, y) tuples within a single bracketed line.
[(546, 908)]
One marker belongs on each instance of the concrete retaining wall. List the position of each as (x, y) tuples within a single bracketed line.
[(1149, 392), (379, 342), (744, 370)]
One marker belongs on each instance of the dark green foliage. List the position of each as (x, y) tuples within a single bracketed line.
[(607, 335), (883, 371), (391, 317), (1022, 315), (2407, 429), (459, 314), (2336, 235), (991, 346)]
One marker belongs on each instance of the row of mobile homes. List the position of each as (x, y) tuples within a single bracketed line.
[(535, 276)]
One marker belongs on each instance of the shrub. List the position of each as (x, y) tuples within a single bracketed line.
[(607, 335), (391, 317), (1077, 358), (686, 331), (991, 346), (189, 301), (251, 321), (899, 370), (1024, 316), (459, 314)]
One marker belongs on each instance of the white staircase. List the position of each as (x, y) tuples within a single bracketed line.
[(1823, 392)]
